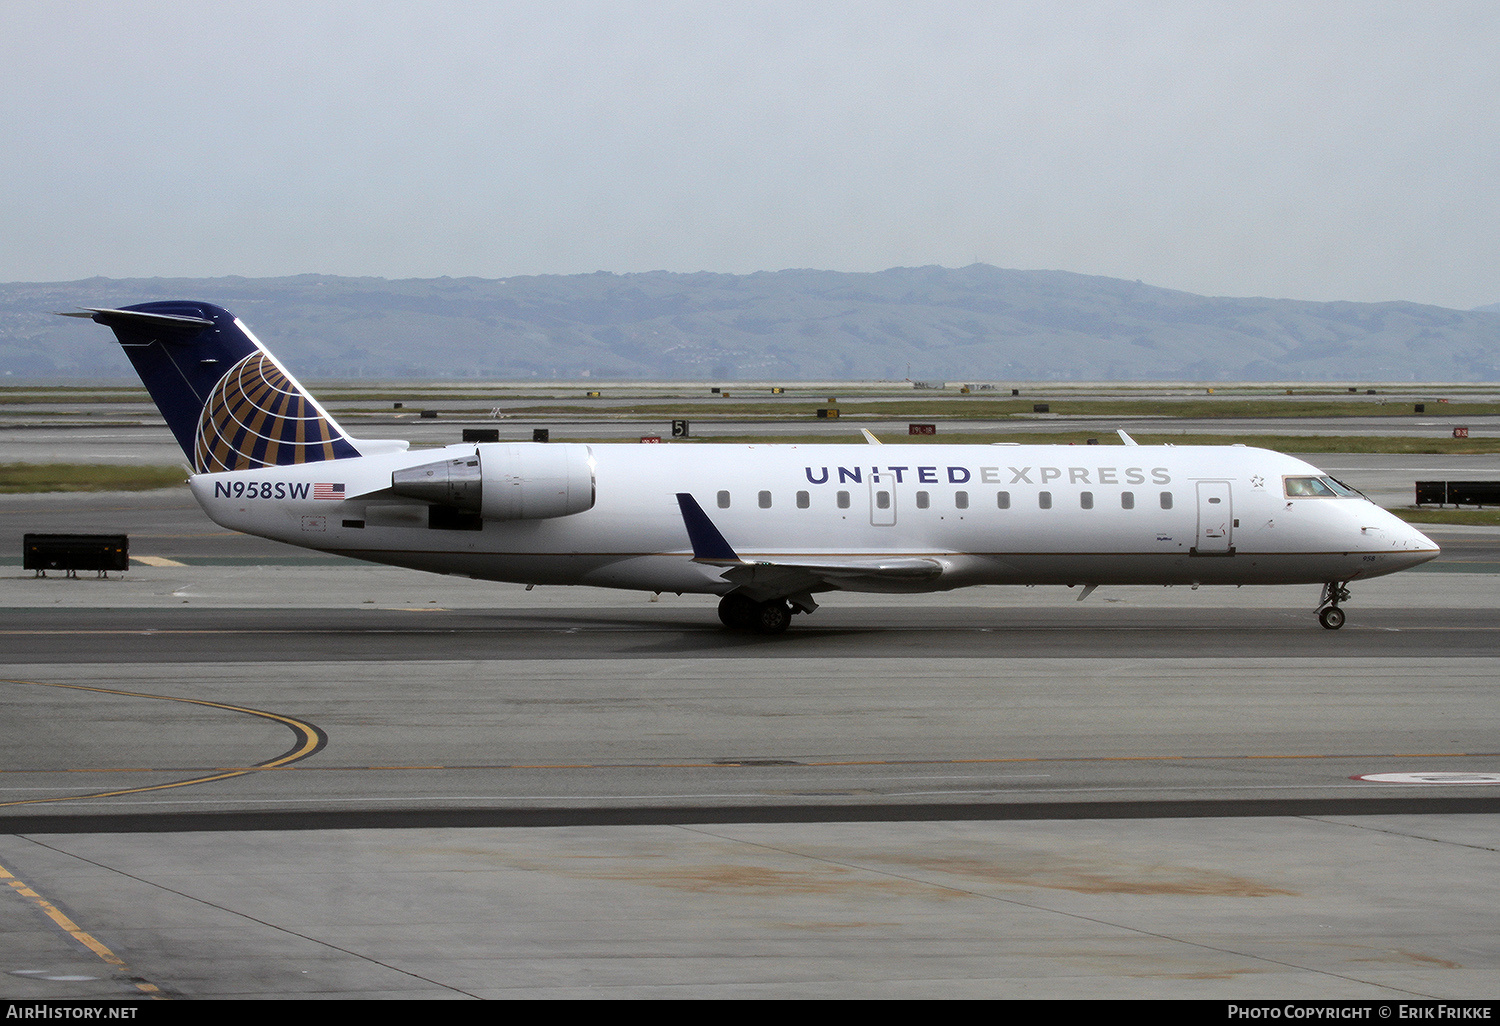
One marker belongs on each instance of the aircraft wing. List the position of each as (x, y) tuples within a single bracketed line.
[(767, 579), (764, 579)]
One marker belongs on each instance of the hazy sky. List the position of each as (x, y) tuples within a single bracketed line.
[(1295, 148)]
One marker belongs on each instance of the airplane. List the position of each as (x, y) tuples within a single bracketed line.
[(764, 527)]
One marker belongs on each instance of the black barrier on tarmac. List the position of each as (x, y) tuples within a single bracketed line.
[(1459, 493), (74, 552)]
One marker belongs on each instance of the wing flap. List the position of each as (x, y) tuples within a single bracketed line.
[(777, 578)]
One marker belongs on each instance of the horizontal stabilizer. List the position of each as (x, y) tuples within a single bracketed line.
[(142, 319)]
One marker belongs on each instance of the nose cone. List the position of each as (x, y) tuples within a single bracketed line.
[(1402, 544), (1417, 541)]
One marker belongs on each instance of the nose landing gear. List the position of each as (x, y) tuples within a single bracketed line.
[(1329, 613)]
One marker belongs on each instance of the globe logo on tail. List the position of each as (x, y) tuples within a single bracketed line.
[(257, 416)]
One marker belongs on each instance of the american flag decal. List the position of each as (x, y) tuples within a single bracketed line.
[(327, 491)]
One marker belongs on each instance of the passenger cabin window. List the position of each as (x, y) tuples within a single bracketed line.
[(765, 500), (843, 500), (1044, 500), (1166, 500), (961, 500), (723, 500), (882, 500), (1086, 500), (923, 500), (803, 500), (1127, 500), (1002, 500)]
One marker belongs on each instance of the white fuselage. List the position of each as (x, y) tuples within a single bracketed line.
[(987, 514)]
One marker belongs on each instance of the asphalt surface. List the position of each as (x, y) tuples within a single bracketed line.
[(241, 770)]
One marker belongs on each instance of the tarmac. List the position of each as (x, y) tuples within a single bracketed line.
[(245, 771), (997, 793)]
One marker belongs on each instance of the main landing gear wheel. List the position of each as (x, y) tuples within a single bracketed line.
[(773, 617), (741, 614), (737, 612), (1329, 613)]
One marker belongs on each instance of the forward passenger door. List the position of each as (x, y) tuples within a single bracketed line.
[(1215, 519)]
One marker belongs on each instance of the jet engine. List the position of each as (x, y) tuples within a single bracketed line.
[(520, 481)]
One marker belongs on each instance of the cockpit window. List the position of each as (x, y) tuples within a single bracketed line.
[(1317, 488)]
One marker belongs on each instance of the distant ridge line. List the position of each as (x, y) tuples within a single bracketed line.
[(975, 323)]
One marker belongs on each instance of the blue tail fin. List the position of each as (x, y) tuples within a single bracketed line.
[(230, 403)]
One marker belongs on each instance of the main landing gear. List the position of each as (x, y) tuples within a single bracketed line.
[(1329, 613), (742, 614)]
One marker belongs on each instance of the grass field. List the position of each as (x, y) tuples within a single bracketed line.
[(1472, 517), (966, 408), (85, 477), (861, 400)]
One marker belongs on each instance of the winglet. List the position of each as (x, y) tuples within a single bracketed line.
[(1124, 437), (709, 545), (869, 437)]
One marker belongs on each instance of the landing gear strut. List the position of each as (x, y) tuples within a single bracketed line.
[(742, 614), (1329, 613)]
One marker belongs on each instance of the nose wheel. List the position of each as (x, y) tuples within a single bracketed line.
[(1329, 613)]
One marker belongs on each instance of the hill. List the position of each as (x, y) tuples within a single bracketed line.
[(976, 323)]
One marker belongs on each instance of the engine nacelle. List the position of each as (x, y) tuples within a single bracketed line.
[(506, 481)]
